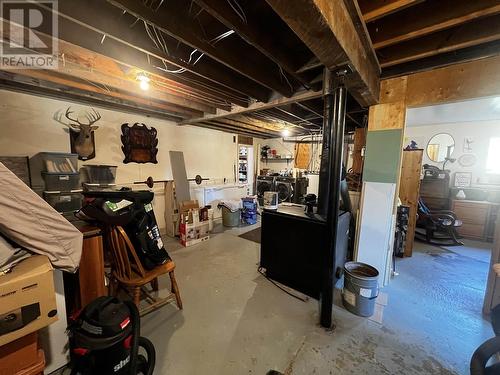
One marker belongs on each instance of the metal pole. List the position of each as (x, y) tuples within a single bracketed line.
[(325, 166), (331, 200)]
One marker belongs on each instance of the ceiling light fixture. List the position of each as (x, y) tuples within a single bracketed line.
[(285, 132), (143, 81)]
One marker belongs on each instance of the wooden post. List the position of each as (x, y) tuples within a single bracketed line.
[(409, 191)]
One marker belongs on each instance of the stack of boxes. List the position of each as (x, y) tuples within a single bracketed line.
[(194, 226), (55, 177), (28, 303)]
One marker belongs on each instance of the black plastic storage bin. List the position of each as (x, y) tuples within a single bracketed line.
[(100, 174), (64, 202), (61, 181)]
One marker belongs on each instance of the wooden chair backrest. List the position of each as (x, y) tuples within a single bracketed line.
[(125, 258)]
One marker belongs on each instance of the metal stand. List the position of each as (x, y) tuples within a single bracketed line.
[(330, 177)]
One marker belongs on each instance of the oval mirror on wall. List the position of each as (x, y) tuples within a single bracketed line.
[(440, 147)]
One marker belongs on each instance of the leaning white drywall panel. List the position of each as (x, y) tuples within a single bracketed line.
[(376, 221)]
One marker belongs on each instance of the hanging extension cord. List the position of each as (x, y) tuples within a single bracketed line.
[(303, 299)]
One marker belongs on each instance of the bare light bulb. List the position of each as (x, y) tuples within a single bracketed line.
[(143, 82), (285, 133), (144, 85)]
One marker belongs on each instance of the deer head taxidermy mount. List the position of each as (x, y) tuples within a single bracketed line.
[(81, 129)]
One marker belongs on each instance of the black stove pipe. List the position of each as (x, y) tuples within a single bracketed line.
[(329, 189), (325, 165)]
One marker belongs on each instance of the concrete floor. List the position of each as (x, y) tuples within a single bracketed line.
[(236, 322)]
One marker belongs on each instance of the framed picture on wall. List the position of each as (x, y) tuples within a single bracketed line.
[(463, 179)]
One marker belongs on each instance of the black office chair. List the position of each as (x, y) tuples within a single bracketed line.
[(437, 227), (480, 358)]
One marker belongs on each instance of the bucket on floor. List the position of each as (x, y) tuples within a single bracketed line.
[(229, 218), (360, 288)]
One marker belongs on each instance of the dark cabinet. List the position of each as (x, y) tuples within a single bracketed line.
[(436, 192)]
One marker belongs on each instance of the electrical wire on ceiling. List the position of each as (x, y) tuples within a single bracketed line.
[(238, 10), (286, 78), (294, 124), (193, 95), (151, 4), (269, 117), (160, 43), (211, 88)]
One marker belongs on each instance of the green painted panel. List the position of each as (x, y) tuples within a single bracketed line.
[(382, 156)]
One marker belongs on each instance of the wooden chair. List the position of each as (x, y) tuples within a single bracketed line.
[(128, 273)]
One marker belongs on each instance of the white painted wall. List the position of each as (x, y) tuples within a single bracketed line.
[(27, 127), (479, 131)]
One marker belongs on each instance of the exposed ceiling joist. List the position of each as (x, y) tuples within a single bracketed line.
[(127, 55), (314, 63), (301, 120), (257, 33), (82, 94), (130, 57), (467, 35), (97, 87), (426, 18), (246, 126), (255, 107), (248, 120), (333, 38), (106, 19), (234, 129), (85, 65), (311, 108), (464, 55), (178, 25), (375, 9)]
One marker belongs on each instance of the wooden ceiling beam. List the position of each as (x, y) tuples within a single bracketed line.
[(297, 118), (257, 33), (62, 88), (86, 85), (179, 25), (467, 35), (375, 9), (136, 59), (255, 107), (256, 122), (105, 18), (327, 28), (313, 63), (234, 129), (478, 52), (248, 126), (311, 109), (80, 35), (86, 65), (428, 17)]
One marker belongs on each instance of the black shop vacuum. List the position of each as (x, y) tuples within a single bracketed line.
[(133, 211), (105, 339)]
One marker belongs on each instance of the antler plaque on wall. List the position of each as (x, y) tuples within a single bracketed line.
[(139, 143)]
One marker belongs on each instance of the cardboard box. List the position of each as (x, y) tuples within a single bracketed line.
[(37, 368), (27, 299), (19, 354), (192, 234), (188, 211)]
